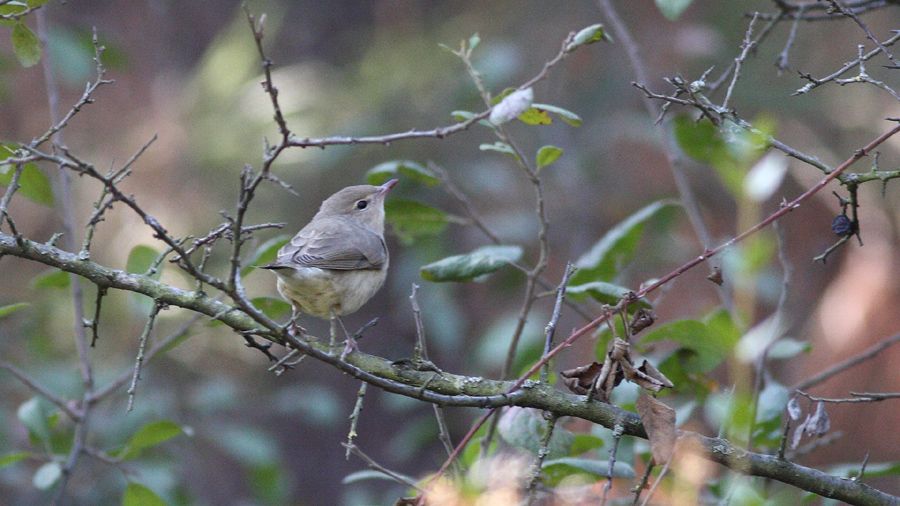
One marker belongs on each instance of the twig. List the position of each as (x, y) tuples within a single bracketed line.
[(95, 321), (815, 83), (662, 474), (8, 194), (842, 366), (862, 469), (542, 453), (792, 10), (857, 397), (354, 417), (399, 478), (31, 383), (158, 347), (871, 36), (782, 62), (66, 208), (139, 360), (746, 46), (543, 223), (550, 329), (421, 353), (673, 153), (436, 133), (780, 326), (617, 436), (639, 488), (283, 363), (815, 444), (421, 350)]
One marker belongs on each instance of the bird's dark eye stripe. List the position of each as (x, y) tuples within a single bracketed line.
[(362, 204)]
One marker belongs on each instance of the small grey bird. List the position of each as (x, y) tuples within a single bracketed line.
[(337, 262)]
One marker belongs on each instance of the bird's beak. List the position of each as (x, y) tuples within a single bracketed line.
[(386, 187)]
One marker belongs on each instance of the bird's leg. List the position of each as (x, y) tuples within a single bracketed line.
[(350, 343), (333, 330)]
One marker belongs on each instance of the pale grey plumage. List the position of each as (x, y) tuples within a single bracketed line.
[(338, 261)]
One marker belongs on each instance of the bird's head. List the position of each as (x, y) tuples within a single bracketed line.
[(363, 204)]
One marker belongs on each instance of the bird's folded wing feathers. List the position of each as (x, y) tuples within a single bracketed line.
[(337, 245)]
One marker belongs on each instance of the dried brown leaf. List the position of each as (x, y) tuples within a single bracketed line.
[(798, 433), (820, 423), (642, 319), (659, 422), (655, 374), (579, 379)]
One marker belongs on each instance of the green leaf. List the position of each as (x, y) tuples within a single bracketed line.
[(11, 458), (469, 266), (731, 150), (462, 115), (272, 307), (588, 35), (500, 147), (26, 45), (698, 139), (140, 259), (708, 348), (584, 443), (139, 495), (35, 416), (525, 428), (12, 308), (13, 7), (413, 220), (36, 3), (557, 469), (567, 116), (47, 475), (547, 155), (148, 436), (533, 116), (51, 278), (787, 347), (672, 9), (265, 253), (617, 247), (370, 474), (771, 402), (33, 184), (496, 99), (407, 168), (603, 292)]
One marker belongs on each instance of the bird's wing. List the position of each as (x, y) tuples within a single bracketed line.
[(334, 244)]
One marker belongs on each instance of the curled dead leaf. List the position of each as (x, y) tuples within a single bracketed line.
[(659, 422), (642, 319)]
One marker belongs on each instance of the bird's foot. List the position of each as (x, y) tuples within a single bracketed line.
[(350, 345)]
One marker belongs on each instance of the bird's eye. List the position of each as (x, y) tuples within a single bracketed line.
[(362, 204)]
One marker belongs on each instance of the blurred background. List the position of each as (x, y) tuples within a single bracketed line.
[(189, 73)]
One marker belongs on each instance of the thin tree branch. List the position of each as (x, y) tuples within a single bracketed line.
[(842, 366)]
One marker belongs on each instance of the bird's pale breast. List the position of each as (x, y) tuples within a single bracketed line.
[(318, 292)]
